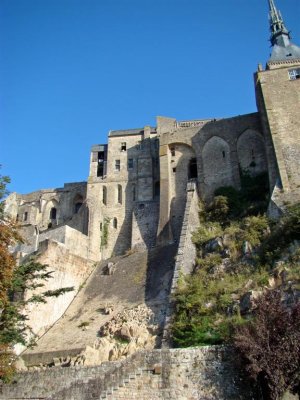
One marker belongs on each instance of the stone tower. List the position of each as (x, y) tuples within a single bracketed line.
[(278, 96)]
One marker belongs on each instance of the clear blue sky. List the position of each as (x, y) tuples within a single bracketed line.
[(71, 70)]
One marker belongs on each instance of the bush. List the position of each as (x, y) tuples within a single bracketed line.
[(270, 346)]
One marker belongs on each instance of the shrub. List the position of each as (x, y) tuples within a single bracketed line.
[(270, 346)]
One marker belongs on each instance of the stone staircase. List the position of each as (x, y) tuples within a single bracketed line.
[(185, 253)]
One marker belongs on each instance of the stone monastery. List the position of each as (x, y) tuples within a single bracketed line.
[(136, 191), (144, 184)]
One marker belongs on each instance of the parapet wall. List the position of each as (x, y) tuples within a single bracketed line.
[(188, 374)]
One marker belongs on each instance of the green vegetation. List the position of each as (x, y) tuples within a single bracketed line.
[(15, 280), (243, 260), (104, 237), (83, 324)]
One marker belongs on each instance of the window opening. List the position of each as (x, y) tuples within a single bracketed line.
[(294, 74), (130, 163), (141, 206), (25, 216), (104, 195), (173, 152), (193, 172), (123, 146), (17, 219), (157, 189), (101, 226), (115, 223), (223, 154), (100, 166), (53, 213), (120, 194), (117, 165), (77, 206), (174, 169)]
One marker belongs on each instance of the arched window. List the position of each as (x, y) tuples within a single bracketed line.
[(120, 194), (25, 216), (104, 195), (115, 223), (53, 213)]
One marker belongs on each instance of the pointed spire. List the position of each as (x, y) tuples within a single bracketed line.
[(279, 34)]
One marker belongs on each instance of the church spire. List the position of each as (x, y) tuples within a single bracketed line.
[(279, 34)]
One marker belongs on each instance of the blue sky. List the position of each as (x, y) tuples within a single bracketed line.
[(71, 70)]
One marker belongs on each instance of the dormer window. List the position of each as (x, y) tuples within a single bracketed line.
[(294, 74)]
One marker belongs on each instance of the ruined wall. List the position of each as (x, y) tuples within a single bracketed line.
[(188, 374)]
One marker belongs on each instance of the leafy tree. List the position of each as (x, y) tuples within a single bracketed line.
[(14, 281), (270, 346)]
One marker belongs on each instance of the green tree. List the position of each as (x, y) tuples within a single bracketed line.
[(14, 281)]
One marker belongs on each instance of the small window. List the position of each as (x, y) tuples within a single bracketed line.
[(104, 195), (223, 154), (120, 194), (141, 206), (174, 169), (25, 216), (294, 74), (130, 163), (117, 165), (115, 223), (123, 146), (17, 218), (101, 226), (173, 152), (53, 213)]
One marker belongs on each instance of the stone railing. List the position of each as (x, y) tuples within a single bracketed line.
[(192, 123)]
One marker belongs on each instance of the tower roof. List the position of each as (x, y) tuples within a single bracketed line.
[(280, 38)]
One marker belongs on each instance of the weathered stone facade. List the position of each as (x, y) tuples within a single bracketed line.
[(142, 192), (203, 373)]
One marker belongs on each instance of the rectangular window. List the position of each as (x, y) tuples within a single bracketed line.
[(294, 74), (173, 151), (117, 165), (123, 146), (130, 163), (25, 216)]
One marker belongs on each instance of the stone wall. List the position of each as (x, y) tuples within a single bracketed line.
[(74, 241), (188, 374), (68, 270), (144, 225), (278, 103)]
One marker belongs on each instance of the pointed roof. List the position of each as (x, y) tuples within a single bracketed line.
[(280, 38)]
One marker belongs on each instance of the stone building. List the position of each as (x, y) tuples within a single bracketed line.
[(136, 190), (135, 195)]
